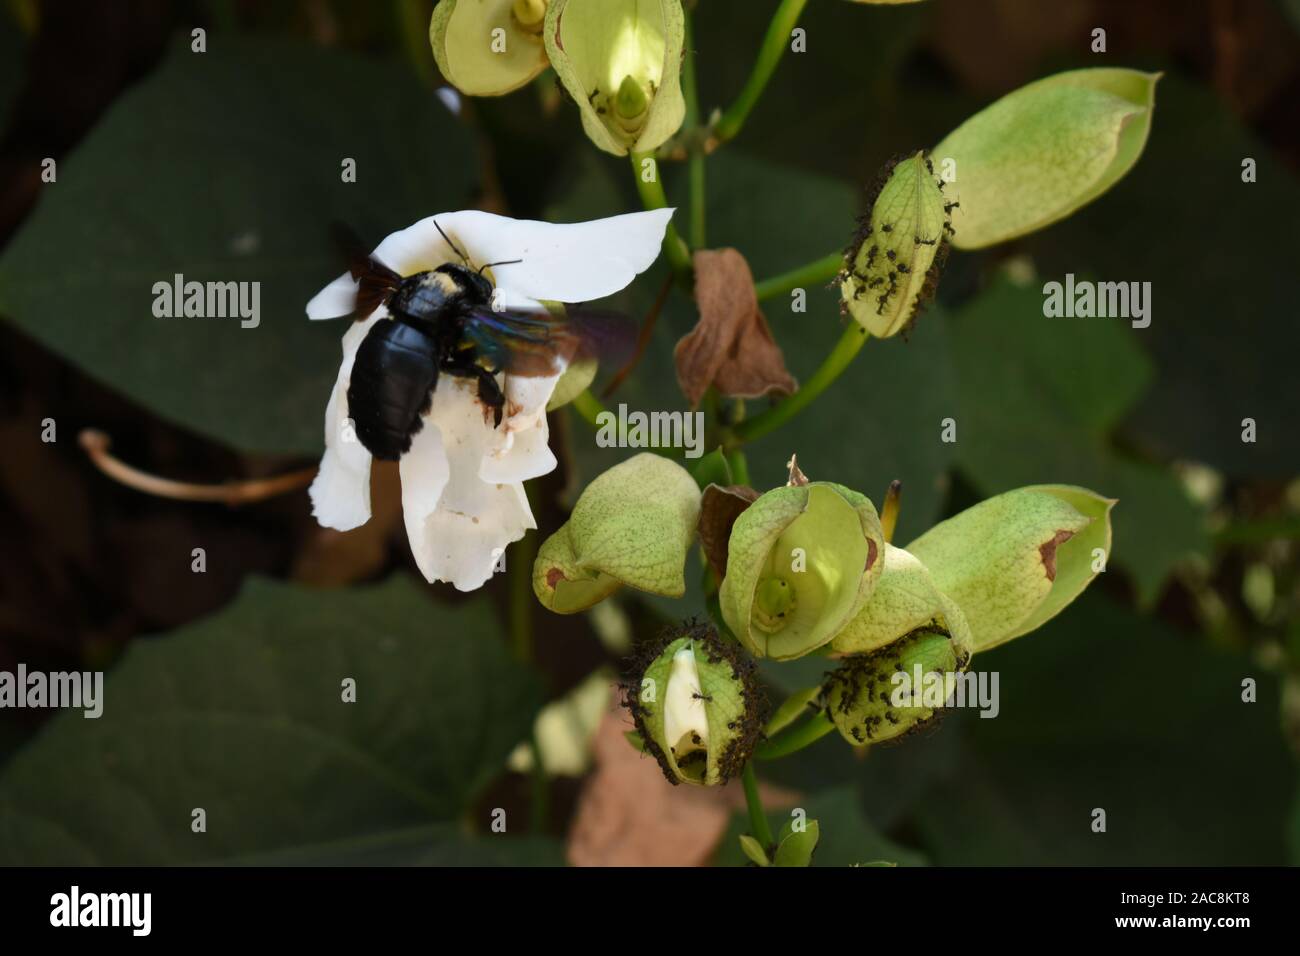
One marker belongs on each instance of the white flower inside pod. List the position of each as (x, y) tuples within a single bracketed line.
[(462, 478), (686, 723)]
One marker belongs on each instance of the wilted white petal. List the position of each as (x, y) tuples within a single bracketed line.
[(529, 456), (525, 453), (459, 534), (465, 551), (340, 493), (425, 472)]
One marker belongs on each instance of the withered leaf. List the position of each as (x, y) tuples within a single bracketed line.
[(719, 508), (731, 347)]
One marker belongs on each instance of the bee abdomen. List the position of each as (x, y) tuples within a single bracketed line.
[(393, 377)]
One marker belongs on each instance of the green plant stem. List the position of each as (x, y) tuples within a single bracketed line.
[(837, 361), (519, 578), (757, 818), (541, 795), (775, 43), (815, 273), (590, 408), (794, 739), (413, 23), (654, 197), (695, 164), (739, 466)]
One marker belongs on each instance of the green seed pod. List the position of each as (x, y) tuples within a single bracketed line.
[(1018, 559), (905, 600), (697, 706), (632, 525), (801, 562), (1046, 150), (621, 61), (874, 697), (893, 265)]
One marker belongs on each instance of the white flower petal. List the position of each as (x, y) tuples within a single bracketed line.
[(340, 496), (465, 550), (334, 301), (528, 456), (563, 262), (462, 493), (340, 493), (459, 524), (525, 453), (425, 472), (574, 262)]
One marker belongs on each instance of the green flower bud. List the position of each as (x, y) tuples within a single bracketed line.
[(862, 699), (621, 62), (697, 706), (1043, 151), (795, 844), (904, 601), (892, 268), (801, 561), (632, 525), (574, 380), (488, 47), (1016, 560)]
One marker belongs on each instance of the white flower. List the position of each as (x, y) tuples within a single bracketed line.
[(462, 480)]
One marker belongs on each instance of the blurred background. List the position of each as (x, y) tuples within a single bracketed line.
[(222, 689)]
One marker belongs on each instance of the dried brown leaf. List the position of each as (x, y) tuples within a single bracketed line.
[(731, 347), (719, 508)]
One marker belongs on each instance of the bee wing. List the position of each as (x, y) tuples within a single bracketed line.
[(375, 281), (521, 343), (538, 343)]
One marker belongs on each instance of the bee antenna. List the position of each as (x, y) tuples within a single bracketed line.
[(503, 262), (454, 248)]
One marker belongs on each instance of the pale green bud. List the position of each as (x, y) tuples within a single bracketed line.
[(1045, 150), (620, 61), (632, 525), (488, 47), (892, 268)]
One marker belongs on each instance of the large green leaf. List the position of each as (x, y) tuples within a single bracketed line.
[(1105, 709), (1041, 398), (227, 166), (242, 714)]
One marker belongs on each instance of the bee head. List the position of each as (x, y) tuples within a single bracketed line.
[(473, 284)]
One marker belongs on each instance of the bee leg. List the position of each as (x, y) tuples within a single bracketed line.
[(489, 392)]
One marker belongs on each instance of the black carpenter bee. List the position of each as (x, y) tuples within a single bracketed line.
[(443, 322)]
